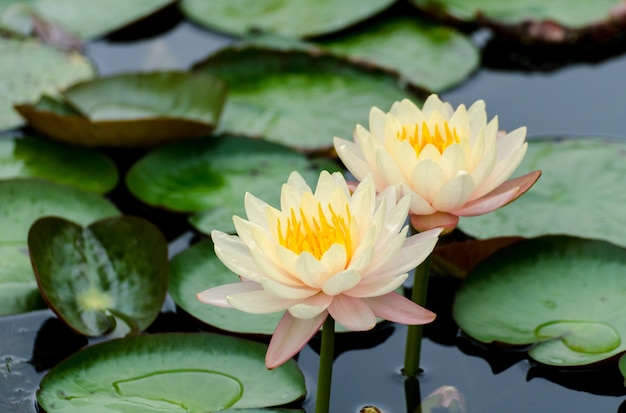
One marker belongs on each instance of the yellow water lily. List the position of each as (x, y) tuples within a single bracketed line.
[(450, 162), (325, 252)]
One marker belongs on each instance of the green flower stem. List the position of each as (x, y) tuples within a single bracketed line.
[(325, 374), (414, 333)]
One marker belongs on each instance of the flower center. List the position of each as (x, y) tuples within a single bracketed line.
[(316, 234), (419, 137)]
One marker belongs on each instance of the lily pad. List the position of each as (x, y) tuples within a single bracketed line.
[(131, 110), (116, 267), (285, 17), (23, 201), (426, 54), (197, 269), (29, 69), (213, 174), (566, 21), (18, 286), (169, 373), (298, 98), (32, 157), (563, 295), (580, 193), (100, 18)]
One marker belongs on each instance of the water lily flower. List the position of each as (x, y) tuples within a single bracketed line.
[(324, 252), (451, 163)]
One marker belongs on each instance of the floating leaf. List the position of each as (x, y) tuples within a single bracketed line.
[(18, 286), (213, 174), (536, 20), (131, 110), (426, 54), (297, 98), (197, 269), (29, 69), (580, 193), (285, 17), (169, 373), (32, 157), (115, 267), (100, 18), (564, 295), (23, 201)]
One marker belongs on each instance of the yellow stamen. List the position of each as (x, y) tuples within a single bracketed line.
[(419, 139), (316, 234)]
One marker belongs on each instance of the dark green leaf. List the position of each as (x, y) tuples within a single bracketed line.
[(70, 165), (169, 373), (563, 295), (297, 98), (285, 17), (18, 286), (114, 267)]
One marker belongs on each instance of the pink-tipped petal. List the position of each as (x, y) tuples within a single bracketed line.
[(437, 220), (502, 195), (399, 309), (352, 313), (290, 336), (217, 295)]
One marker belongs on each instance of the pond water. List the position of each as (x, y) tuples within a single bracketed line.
[(580, 98)]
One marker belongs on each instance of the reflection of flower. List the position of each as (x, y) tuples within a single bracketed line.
[(327, 252), (451, 162)]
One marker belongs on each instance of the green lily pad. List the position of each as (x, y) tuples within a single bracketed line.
[(29, 69), (18, 286), (426, 54), (23, 201), (131, 110), (563, 295), (297, 98), (535, 20), (580, 193), (100, 18), (285, 17), (172, 372), (197, 269), (69, 165), (116, 267), (213, 174)]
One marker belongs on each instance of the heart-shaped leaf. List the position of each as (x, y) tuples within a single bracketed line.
[(169, 373), (285, 17), (23, 201), (29, 69), (580, 193), (298, 98), (131, 110), (32, 157), (563, 295), (115, 267)]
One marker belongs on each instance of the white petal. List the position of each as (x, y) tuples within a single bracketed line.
[(453, 160), (477, 116), (434, 104), (418, 205), (259, 302), (218, 295), (335, 259), (310, 271), (407, 112), (256, 209), (352, 313), (377, 286), (296, 181), (455, 193), (510, 142), (354, 160), (287, 292), (377, 122), (501, 172), (460, 122), (341, 282), (427, 178), (290, 197), (311, 307), (235, 255)]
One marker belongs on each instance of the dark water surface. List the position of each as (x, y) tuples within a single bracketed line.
[(579, 98)]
